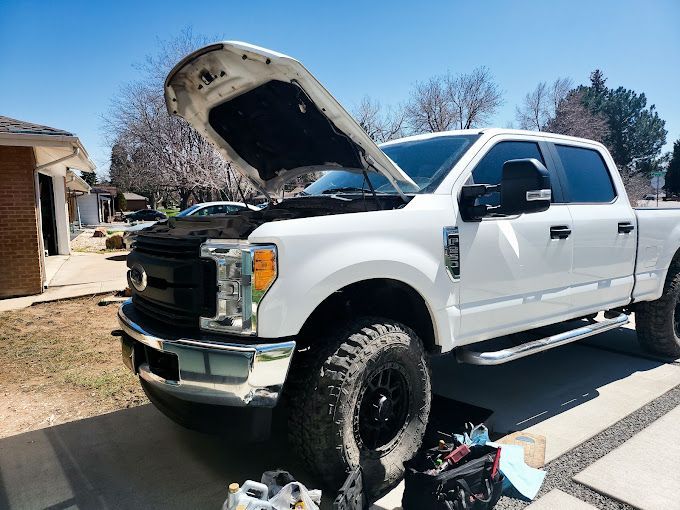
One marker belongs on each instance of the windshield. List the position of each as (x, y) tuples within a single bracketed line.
[(188, 210), (425, 161)]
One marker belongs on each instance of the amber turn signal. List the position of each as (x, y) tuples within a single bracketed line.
[(264, 269)]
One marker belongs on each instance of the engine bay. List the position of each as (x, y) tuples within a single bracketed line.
[(242, 224)]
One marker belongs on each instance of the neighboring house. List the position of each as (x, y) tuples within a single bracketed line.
[(75, 187), (35, 184), (135, 202), (96, 207)]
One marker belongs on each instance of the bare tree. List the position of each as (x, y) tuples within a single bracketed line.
[(474, 97), (559, 90), (428, 109), (636, 183), (540, 105), (535, 110), (380, 124), (448, 102), (573, 118), (158, 153)]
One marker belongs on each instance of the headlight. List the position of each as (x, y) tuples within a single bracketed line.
[(244, 274)]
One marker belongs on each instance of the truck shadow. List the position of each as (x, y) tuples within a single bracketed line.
[(531, 390), (137, 458), (134, 458)]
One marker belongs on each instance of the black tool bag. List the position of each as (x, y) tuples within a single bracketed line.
[(465, 486)]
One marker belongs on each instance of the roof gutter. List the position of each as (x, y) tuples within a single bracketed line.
[(76, 152), (29, 140)]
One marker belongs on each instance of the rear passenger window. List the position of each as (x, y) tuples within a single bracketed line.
[(490, 168), (588, 179)]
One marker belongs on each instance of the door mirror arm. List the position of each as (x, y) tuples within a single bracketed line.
[(470, 211)]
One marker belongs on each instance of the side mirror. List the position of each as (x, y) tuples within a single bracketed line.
[(525, 187)]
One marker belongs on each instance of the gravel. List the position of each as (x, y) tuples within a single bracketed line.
[(561, 470)]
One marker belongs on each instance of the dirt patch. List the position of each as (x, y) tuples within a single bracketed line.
[(88, 243), (60, 363)]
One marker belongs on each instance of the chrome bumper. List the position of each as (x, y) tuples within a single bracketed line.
[(209, 371)]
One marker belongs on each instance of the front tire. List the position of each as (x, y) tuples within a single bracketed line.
[(362, 397), (658, 322)]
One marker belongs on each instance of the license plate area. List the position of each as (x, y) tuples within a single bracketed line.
[(163, 364)]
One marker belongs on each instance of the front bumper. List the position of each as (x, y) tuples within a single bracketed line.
[(205, 369)]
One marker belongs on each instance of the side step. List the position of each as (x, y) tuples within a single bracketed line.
[(465, 355)]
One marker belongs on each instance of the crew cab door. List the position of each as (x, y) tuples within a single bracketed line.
[(514, 270), (604, 227)]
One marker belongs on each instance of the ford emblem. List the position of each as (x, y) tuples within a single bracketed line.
[(138, 277)]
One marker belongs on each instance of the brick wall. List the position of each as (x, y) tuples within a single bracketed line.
[(20, 273)]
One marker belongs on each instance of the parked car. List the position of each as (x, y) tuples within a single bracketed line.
[(145, 215), (338, 299), (214, 208), (199, 210)]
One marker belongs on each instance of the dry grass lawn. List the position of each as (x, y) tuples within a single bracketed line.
[(59, 363)]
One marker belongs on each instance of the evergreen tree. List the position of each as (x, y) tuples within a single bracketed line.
[(89, 177), (673, 173), (598, 81), (636, 132)]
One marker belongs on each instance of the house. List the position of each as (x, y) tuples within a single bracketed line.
[(35, 190), (135, 202), (76, 187), (96, 207)]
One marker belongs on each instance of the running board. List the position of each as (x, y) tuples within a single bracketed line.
[(465, 355)]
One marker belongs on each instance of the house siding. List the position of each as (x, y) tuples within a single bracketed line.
[(20, 267), (136, 204)]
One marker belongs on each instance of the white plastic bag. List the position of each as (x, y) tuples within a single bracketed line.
[(292, 493)]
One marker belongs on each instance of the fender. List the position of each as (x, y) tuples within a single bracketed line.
[(318, 257)]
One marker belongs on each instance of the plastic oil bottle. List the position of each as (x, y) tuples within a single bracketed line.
[(252, 496)]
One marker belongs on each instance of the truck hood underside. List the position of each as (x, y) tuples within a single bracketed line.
[(291, 132), (265, 112)]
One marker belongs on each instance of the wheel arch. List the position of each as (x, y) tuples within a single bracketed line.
[(381, 297)]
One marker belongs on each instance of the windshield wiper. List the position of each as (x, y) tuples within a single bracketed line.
[(345, 188)]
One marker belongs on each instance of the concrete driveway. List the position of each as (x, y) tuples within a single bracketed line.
[(78, 274), (137, 458)]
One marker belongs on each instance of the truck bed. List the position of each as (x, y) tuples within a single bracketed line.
[(658, 238)]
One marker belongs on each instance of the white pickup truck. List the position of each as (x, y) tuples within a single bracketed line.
[(337, 298)]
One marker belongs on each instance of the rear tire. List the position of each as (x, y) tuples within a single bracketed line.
[(658, 322), (361, 397)]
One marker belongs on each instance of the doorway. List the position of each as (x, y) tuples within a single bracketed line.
[(47, 214)]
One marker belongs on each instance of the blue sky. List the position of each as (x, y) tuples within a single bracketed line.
[(61, 62)]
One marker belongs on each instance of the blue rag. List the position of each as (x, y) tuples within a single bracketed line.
[(518, 476), (521, 481)]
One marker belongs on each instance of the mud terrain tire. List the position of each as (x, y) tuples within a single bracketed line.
[(658, 322), (360, 397)]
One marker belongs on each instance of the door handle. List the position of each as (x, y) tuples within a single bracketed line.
[(626, 227), (559, 232)]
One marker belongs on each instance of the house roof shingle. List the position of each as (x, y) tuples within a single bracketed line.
[(134, 196), (9, 125)]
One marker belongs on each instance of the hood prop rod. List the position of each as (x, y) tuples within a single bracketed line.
[(370, 185)]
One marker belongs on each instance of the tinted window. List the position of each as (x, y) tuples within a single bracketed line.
[(188, 211), (213, 210), (490, 168), (587, 176)]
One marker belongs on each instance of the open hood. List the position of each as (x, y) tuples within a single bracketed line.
[(265, 112)]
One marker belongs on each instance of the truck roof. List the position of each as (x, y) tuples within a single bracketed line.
[(494, 131)]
